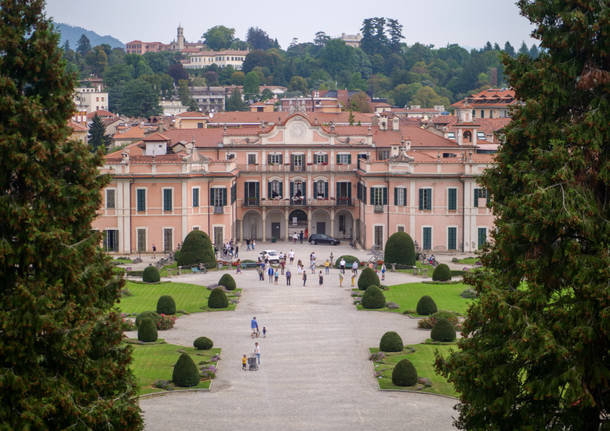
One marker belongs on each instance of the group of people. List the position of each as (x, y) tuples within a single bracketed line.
[(300, 236), (255, 333), (250, 244), (229, 249)]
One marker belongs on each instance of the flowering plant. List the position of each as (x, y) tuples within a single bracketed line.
[(166, 322)]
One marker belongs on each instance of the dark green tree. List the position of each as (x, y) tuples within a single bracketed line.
[(219, 37), (535, 352), (234, 102), (63, 363), (259, 39), (84, 46), (138, 98), (251, 84), (509, 50), (395, 32), (97, 135), (321, 38)]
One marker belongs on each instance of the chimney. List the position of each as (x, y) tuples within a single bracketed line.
[(395, 124)]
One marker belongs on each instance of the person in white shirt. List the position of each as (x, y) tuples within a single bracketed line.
[(257, 352), (342, 265), (291, 256), (355, 267)]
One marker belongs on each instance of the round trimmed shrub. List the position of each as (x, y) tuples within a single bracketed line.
[(196, 248), (185, 372), (148, 315), (373, 298), (151, 274), (443, 331), (441, 273), (147, 331), (203, 343), (404, 373), (349, 261), (367, 278), (426, 306), (399, 248), (166, 305), (227, 281), (218, 299), (391, 342)]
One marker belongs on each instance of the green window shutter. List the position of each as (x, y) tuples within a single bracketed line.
[(427, 238), (195, 198), (212, 197), (257, 190), (452, 198), (167, 200), (395, 195), (269, 190), (349, 191), (337, 191), (338, 158), (482, 236), (364, 194), (281, 159), (291, 188), (385, 196), (428, 199), (372, 196), (349, 159), (476, 198), (269, 159), (404, 196), (246, 192), (224, 196), (281, 189), (326, 190), (421, 199), (452, 238), (141, 198)]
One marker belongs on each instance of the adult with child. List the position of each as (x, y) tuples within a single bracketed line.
[(254, 327)]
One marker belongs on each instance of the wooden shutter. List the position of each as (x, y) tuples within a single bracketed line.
[(385, 195), (349, 159), (421, 199), (269, 190), (291, 188), (224, 196), (326, 190), (395, 195), (212, 191)]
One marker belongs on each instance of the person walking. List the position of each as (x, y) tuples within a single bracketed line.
[(236, 251), (331, 258), (238, 266), (355, 267), (254, 327), (288, 275), (276, 276), (304, 278), (353, 278), (321, 278), (301, 237), (247, 244), (340, 279), (154, 248), (253, 244), (383, 270), (270, 273), (244, 361), (291, 255), (342, 265), (257, 352), (327, 267)]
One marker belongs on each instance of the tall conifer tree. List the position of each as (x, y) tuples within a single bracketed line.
[(536, 348), (97, 135), (62, 361)]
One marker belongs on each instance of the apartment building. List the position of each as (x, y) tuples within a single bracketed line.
[(264, 180), (490, 103), (89, 99)]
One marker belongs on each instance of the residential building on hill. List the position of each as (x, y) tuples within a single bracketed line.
[(352, 40), (89, 99), (268, 180), (490, 103), (198, 59)]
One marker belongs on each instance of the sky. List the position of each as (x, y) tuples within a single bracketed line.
[(470, 23)]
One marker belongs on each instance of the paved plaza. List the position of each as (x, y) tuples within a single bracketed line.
[(314, 374)]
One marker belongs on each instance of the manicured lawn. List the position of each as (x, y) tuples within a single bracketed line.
[(469, 260), (189, 297), (446, 296), (152, 362), (122, 261), (423, 361)]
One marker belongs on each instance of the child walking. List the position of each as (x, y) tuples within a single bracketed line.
[(244, 361), (321, 279)]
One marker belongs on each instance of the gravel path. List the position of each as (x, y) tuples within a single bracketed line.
[(314, 372)]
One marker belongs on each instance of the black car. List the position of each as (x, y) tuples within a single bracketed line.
[(320, 238)]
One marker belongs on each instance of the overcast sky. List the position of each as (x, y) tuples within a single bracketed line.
[(468, 22)]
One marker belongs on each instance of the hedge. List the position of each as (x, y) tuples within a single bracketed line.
[(400, 248), (196, 248)]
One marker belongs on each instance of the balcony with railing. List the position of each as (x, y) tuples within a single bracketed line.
[(218, 210), (251, 201), (311, 202), (287, 168), (378, 208)]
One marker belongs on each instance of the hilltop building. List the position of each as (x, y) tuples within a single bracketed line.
[(490, 103)]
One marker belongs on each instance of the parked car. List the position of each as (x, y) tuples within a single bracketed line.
[(320, 238), (272, 255)]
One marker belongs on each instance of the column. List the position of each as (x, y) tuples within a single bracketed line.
[(286, 214), (264, 224), (353, 229), (332, 222), (309, 221)]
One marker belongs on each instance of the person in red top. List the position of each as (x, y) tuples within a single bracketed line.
[(306, 234)]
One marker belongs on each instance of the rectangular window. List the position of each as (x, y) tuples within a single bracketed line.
[(479, 193), (218, 196), (275, 189), (383, 154), (110, 199), (321, 189), (252, 159), (378, 236), (400, 228), (141, 234), (233, 193), (274, 159), (111, 240), (344, 159), (482, 114), (482, 236), (452, 238), (195, 197), (379, 195), (168, 239), (141, 200), (425, 199), (167, 200), (481, 136), (427, 238), (400, 196), (452, 199), (200, 125), (450, 135), (320, 159)]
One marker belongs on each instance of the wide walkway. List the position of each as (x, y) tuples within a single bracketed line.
[(315, 373)]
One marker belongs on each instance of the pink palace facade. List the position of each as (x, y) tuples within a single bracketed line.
[(268, 180)]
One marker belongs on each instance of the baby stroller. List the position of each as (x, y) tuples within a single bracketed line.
[(252, 363)]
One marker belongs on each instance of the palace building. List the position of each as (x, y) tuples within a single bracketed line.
[(303, 172)]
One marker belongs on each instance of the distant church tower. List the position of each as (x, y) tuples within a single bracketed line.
[(180, 39)]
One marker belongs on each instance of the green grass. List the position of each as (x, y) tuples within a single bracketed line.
[(469, 260), (423, 361), (122, 261), (446, 296), (189, 297), (152, 362), (425, 270)]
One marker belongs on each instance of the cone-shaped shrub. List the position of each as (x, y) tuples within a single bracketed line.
[(147, 331), (227, 281), (391, 342), (373, 298), (441, 273), (404, 373), (218, 299), (185, 373), (367, 278), (399, 249), (443, 331), (426, 306), (166, 305), (151, 274), (349, 261), (203, 343), (197, 248), (148, 315)]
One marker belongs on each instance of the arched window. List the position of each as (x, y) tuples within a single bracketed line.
[(467, 136)]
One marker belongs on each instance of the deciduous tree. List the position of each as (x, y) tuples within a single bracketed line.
[(63, 363), (535, 352), (219, 37)]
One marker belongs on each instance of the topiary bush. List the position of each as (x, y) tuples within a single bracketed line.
[(443, 331), (203, 343), (218, 299), (147, 331), (373, 298), (404, 373), (185, 372), (441, 273), (151, 275), (227, 281), (426, 306), (166, 305), (349, 261), (391, 342), (429, 322), (399, 248), (148, 315), (367, 278), (469, 293), (196, 248)]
